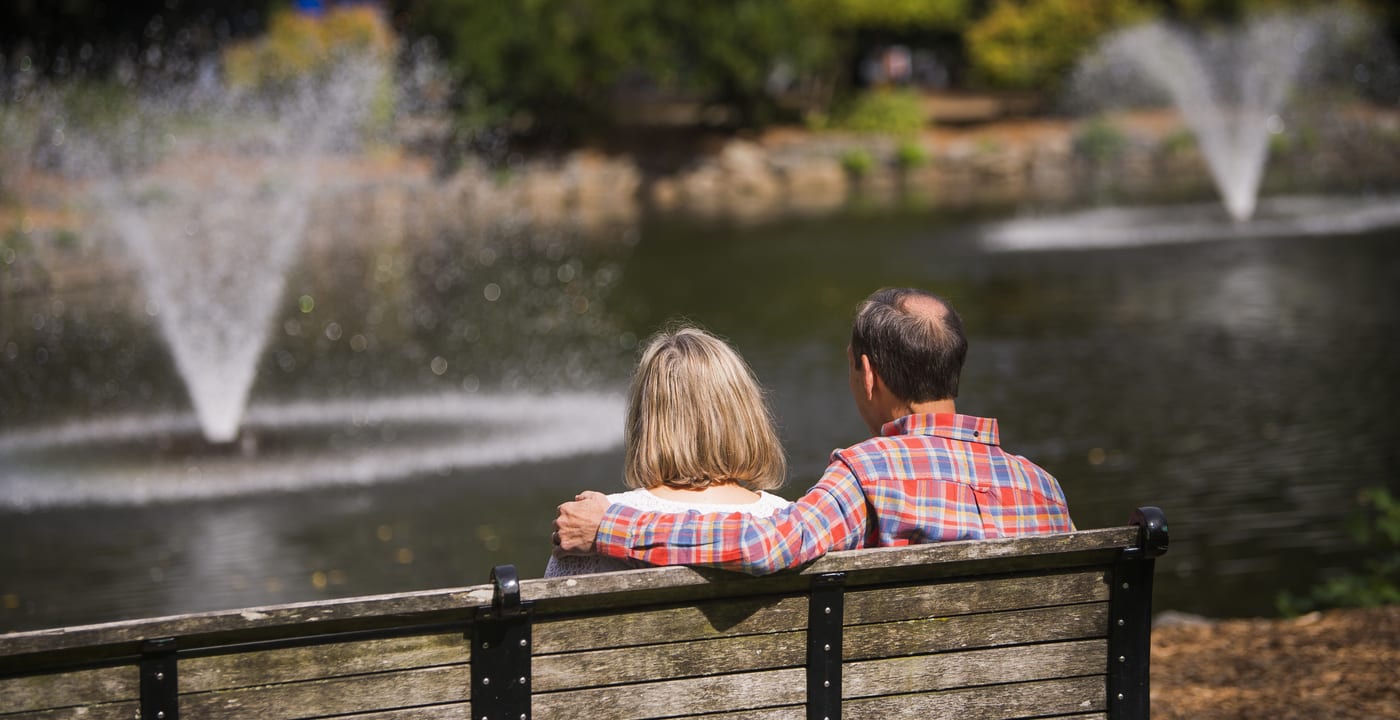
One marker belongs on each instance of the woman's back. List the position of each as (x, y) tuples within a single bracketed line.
[(643, 499)]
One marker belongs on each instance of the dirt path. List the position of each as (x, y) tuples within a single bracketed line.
[(1336, 664)]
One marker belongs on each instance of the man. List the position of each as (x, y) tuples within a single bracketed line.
[(928, 475)]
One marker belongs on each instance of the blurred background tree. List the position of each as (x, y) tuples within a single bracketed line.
[(566, 70)]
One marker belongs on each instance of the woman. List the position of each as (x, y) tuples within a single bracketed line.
[(699, 436)]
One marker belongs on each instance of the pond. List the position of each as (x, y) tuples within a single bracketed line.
[(420, 411)]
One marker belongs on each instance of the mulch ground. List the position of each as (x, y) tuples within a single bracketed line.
[(1334, 664)]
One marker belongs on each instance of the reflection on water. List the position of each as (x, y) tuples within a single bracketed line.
[(1244, 386)]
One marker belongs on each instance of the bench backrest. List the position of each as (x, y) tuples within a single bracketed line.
[(1039, 626)]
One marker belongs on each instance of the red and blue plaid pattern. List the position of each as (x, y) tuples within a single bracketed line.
[(928, 478)]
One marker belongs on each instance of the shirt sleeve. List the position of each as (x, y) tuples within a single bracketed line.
[(831, 516)]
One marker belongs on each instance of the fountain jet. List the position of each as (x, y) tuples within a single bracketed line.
[(1229, 86), (216, 220)]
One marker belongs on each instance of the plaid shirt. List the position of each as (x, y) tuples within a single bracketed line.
[(928, 478)]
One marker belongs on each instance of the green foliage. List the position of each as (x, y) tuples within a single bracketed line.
[(858, 162), (902, 15), (1376, 528), (885, 111), (298, 46), (552, 65), (910, 154), (1181, 141), (1027, 45), (1100, 141)]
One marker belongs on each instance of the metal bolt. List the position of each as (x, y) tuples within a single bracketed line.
[(486, 681), (160, 676), (1120, 623), (826, 683), (1120, 696), (160, 714), (523, 716), (524, 642), (522, 680), (485, 645), (827, 647), (1122, 659), (828, 611), (1125, 586)]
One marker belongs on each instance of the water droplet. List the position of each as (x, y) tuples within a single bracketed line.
[(152, 309), (318, 580), (385, 533), (492, 292), (404, 556), (38, 321), (566, 273), (1097, 456), (439, 365), (7, 256), (359, 343), (333, 331), (1274, 124), (471, 384), (11, 350), (306, 303)]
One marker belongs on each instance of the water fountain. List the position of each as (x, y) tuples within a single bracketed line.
[(1229, 87), (1233, 89), (215, 222), (209, 189)]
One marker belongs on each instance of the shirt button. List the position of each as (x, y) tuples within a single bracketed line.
[(975, 434)]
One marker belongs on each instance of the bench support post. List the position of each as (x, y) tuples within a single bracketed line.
[(1130, 626), (500, 656), (160, 684), (824, 621)]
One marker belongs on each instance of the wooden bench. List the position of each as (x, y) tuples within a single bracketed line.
[(1054, 625)]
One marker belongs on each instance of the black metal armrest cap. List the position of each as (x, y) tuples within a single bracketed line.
[(506, 597), (1152, 530)]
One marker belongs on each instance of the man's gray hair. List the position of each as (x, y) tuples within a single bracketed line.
[(919, 355)]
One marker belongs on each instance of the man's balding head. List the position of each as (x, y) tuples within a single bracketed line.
[(915, 343)]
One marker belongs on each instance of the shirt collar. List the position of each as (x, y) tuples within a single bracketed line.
[(967, 428)]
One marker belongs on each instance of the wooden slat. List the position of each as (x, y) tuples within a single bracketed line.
[(449, 711), (739, 616), (38, 692), (105, 711), (948, 671), (253, 624), (963, 632), (382, 691), (722, 693), (874, 565), (956, 598), (650, 663), (788, 712), (1034, 699), (262, 667)]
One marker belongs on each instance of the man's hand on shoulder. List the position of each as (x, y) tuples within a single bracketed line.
[(576, 526)]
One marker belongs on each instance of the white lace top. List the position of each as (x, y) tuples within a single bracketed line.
[(641, 499)]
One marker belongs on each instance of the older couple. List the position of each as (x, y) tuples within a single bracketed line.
[(701, 449)]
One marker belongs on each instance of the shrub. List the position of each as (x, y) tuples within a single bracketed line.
[(1376, 529), (891, 112), (1100, 141), (1181, 141), (910, 154), (298, 46), (858, 162), (1024, 44)]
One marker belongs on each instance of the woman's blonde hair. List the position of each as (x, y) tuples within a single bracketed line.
[(696, 417)]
